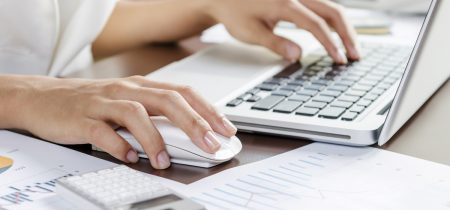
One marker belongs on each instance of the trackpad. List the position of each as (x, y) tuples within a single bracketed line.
[(222, 70)]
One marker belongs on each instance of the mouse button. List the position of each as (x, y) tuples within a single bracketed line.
[(223, 154), (223, 139), (179, 153), (235, 145)]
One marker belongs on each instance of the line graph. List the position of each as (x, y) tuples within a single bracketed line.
[(321, 176), (264, 189)]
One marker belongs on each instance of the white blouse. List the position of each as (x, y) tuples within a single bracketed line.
[(49, 37)]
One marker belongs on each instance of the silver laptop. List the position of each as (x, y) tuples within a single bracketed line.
[(362, 103)]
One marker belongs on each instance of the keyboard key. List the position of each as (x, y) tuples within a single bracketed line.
[(332, 112), (371, 97), (344, 83), (297, 82), (285, 93), (254, 98), (234, 102), (267, 87), (379, 73), (307, 92), (384, 85), (378, 91), (330, 93), (245, 96), (362, 68), (372, 78), (268, 102), (314, 87), (353, 92), (309, 73), (302, 98), (291, 87), (326, 99), (364, 102), (342, 104), (253, 91), (351, 78), (341, 88), (390, 80), (314, 104), (307, 111), (316, 68), (349, 116), (287, 106), (324, 63), (321, 82), (367, 82), (361, 87), (357, 109), (349, 98)]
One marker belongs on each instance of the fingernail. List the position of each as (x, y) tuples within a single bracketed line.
[(211, 141), (354, 53), (292, 52), (163, 159), (132, 156), (341, 58), (229, 126)]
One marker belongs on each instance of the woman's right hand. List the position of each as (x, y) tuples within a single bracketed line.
[(79, 111)]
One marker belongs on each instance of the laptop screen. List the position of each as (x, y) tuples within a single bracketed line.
[(426, 71)]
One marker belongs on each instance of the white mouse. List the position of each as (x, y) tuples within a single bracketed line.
[(182, 150)]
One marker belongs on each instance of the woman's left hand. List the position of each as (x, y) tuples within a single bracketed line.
[(253, 21)]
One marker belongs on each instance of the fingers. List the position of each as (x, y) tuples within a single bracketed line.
[(171, 104), (216, 120), (104, 137), (304, 18), (134, 117), (263, 35), (334, 15)]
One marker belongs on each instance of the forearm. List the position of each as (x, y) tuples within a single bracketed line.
[(11, 89), (136, 23)]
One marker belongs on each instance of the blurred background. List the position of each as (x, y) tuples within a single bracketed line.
[(400, 6)]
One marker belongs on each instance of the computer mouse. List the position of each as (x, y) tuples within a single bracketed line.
[(182, 150)]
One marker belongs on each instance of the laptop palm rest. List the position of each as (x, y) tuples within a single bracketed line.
[(222, 70)]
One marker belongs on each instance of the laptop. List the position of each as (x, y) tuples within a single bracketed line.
[(362, 103)]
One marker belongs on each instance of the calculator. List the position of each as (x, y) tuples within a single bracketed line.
[(121, 188)]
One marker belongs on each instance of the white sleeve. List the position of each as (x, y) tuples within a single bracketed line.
[(81, 21)]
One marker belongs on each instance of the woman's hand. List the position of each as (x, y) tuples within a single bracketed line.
[(77, 111), (253, 21), (134, 23)]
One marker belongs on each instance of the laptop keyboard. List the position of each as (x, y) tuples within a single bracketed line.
[(326, 90)]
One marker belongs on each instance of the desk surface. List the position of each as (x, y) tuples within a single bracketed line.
[(426, 135)]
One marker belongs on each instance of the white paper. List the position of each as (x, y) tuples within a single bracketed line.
[(325, 176), (29, 182)]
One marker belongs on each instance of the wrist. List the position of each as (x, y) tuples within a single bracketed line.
[(14, 94)]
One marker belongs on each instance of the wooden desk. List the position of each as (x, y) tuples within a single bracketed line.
[(426, 135)]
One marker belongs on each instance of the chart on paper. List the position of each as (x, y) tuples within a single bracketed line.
[(29, 169), (323, 176)]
